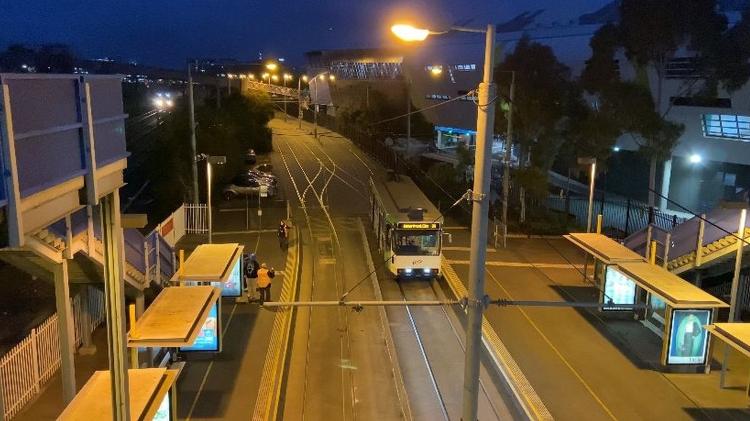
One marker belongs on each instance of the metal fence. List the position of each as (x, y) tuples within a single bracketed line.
[(35, 360), (196, 220), (620, 218)]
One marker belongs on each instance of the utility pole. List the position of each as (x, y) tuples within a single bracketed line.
[(196, 197), (480, 198), (507, 154), (299, 102)]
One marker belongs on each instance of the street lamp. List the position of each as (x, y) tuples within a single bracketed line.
[(275, 78), (251, 76), (271, 66), (592, 179), (300, 79), (480, 198), (210, 160), (286, 77), (266, 76)]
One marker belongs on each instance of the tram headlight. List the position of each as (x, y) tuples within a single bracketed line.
[(426, 271), (408, 271)]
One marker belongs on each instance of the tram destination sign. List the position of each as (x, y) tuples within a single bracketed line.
[(418, 225)]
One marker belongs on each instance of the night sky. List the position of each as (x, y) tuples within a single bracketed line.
[(166, 32)]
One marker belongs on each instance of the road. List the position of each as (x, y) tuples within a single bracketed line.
[(583, 364), (346, 364)]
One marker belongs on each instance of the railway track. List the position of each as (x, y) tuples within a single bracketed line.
[(336, 381)]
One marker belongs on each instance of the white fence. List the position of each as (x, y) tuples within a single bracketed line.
[(173, 228), (195, 218), (34, 361)]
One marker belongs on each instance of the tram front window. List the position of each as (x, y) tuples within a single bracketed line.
[(417, 243)]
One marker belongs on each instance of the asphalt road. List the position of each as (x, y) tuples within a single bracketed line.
[(584, 364), (340, 367)]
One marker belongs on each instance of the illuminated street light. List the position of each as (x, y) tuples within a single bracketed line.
[(287, 76), (242, 76), (332, 78), (695, 158), (480, 207), (275, 78), (272, 66), (436, 70), (304, 78), (265, 75), (251, 76), (409, 33)]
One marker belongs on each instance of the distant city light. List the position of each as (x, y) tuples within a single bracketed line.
[(695, 158), (616, 149), (436, 70)]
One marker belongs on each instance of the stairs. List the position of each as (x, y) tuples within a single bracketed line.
[(717, 251)]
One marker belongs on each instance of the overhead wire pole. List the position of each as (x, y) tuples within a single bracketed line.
[(192, 132), (480, 199)]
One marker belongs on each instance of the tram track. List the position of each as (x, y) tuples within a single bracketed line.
[(329, 281)]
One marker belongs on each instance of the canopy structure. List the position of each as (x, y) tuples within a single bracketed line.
[(211, 263), (675, 291), (736, 335), (604, 248), (175, 318), (148, 388)]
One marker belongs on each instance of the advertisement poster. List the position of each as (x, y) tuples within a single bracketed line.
[(164, 413), (688, 339), (618, 289), (208, 338), (233, 286)]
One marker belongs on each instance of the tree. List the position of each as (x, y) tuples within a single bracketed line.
[(651, 32), (540, 109)]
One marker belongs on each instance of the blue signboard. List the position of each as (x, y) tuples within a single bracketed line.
[(688, 337), (208, 339)]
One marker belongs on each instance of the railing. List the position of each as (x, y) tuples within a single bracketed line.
[(196, 218), (620, 218), (35, 360)]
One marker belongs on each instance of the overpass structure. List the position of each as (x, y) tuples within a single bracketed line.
[(63, 156)]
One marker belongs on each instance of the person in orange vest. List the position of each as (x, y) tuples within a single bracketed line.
[(264, 282)]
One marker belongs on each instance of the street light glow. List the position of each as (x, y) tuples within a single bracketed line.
[(695, 158), (275, 78), (266, 75), (251, 76), (287, 76), (271, 66), (409, 33), (304, 78), (332, 78), (436, 70)]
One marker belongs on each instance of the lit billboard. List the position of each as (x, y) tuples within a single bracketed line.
[(618, 289), (208, 338), (688, 338), (233, 286), (164, 413)]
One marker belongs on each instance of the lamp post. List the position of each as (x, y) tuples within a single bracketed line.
[(192, 63), (286, 77), (210, 160), (592, 179), (299, 99), (479, 196)]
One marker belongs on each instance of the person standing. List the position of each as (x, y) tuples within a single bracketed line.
[(283, 235), (264, 283), (251, 269)]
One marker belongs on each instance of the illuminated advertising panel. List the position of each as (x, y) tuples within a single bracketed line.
[(208, 338), (688, 338), (164, 413), (618, 289), (233, 286)]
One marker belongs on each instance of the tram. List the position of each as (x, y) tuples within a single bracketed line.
[(408, 227)]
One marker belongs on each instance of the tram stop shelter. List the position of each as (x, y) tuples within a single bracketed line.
[(151, 393), (177, 318), (675, 310), (214, 264), (736, 335)]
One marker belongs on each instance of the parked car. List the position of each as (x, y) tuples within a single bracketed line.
[(263, 176), (250, 157), (247, 185), (265, 167)]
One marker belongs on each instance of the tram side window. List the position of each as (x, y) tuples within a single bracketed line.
[(417, 243)]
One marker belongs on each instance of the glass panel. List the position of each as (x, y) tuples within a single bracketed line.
[(417, 243)]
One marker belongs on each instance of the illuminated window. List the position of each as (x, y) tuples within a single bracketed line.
[(465, 67), (727, 126), (439, 97)]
